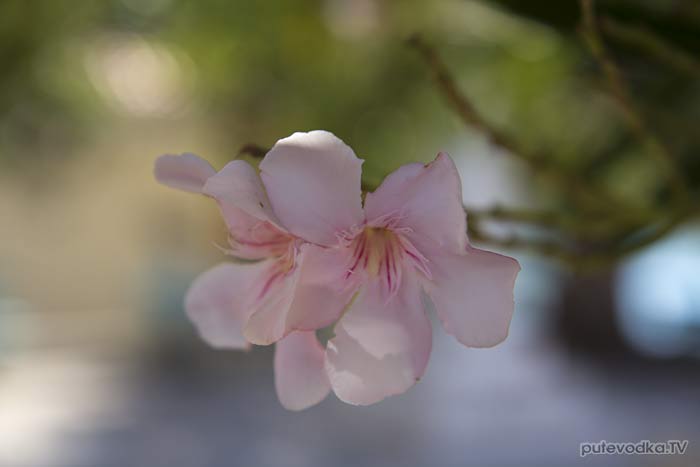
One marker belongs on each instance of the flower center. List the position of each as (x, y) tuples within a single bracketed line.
[(382, 254), (261, 240), (279, 268), (382, 251)]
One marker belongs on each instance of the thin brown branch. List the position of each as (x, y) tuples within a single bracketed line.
[(252, 150), (541, 247), (538, 162), (527, 216), (600, 229), (654, 46), (620, 93), (583, 227), (586, 257), (463, 106)]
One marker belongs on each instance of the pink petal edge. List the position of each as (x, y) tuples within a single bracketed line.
[(300, 377), (473, 295), (186, 172), (217, 302)]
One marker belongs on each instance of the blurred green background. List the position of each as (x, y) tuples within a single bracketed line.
[(98, 366)]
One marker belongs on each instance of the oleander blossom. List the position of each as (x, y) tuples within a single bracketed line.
[(369, 270)]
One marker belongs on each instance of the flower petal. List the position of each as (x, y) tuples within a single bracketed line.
[(238, 185), (185, 172), (322, 293), (254, 229), (251, 238), (473, 295), (380, 348), (315, 298), (217, 302), (425, 199), (313, 181), (273, 297), (300, 377)]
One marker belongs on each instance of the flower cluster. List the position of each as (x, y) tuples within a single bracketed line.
[(322, 257)]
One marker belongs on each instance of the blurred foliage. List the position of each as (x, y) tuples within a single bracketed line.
[(643, 181), (260, 70), (33, 116), (257, 71)]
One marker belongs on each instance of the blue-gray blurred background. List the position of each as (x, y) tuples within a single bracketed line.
[(98, 366)]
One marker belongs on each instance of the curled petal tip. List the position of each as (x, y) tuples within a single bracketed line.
[(186, 172)]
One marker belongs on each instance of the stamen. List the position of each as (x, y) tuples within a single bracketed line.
[(382, 253), (280, 268)]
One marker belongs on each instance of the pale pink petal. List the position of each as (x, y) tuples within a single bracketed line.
[(322, 292), (252, 238), (217, 302), (314, 297), (300, 377), (273, 297), (253, 227), (313, 181), (380, 348), (426, 200), (473, 295), (238, 185), (185, 172)]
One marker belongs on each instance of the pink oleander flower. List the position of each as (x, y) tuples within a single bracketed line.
[(328, 260)]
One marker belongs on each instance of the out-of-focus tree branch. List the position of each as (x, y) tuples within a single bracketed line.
[(539, 162), (252, 150), (591, 228), (598, 230), (654, 46), (579, 255), (620, 92)]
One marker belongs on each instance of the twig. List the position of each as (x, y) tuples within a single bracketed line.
[(591, 227), (593, 234), (252, 150), (528, 216), (656, 47), (578, 256), (621, 95), (541, 247), (467, 112)]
